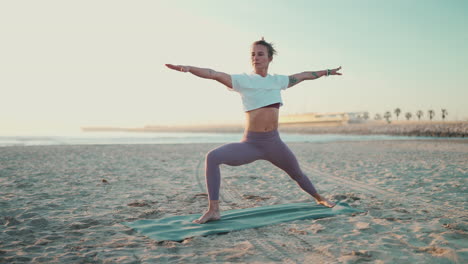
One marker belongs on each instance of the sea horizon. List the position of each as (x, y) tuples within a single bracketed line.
[(134, 138)]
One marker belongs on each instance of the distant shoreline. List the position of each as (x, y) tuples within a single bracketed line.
[(402, 128), (396, 128)]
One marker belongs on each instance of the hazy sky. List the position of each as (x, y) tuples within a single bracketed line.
[(67, 64)]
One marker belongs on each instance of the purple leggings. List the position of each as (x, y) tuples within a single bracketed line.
[(254, 146)]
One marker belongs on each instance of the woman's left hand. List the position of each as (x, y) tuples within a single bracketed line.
[(335, 71)]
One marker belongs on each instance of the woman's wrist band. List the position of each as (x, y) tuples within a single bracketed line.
[(328, 72)]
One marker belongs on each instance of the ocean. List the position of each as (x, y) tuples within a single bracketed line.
[(128, 138)]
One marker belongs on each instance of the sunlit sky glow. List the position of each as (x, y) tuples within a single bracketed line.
[(67, 64)]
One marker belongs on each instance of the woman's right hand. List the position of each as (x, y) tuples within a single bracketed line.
[(178, 67)]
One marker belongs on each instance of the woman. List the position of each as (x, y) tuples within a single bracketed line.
[(261, 98)]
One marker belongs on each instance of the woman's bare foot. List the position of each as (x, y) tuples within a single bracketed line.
[(321, 200), (211, 215), (327, 203)]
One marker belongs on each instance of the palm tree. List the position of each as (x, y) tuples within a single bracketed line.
[(408, 116), (419, 113), (397, 112), (377, 117), (387, 116), (444, 114), (431, 114), (365, 115)]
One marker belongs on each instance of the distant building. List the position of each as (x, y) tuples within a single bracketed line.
[(324, 119), (331, 119), (358, 117)]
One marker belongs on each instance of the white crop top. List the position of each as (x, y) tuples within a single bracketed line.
[(257, 91)]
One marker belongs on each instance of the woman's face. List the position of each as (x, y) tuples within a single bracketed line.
[(259, 57)]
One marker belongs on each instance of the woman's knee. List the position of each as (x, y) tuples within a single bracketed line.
[(212, 157)]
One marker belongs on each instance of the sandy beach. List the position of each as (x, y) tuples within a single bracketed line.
[(65, 204)]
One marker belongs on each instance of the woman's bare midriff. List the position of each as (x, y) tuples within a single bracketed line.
[(262, 119)]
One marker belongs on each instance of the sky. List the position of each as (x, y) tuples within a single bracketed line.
[(69, 64)]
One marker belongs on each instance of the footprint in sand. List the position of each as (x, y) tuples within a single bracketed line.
[(255, 197)]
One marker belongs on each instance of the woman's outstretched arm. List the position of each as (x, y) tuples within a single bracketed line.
[(311, 75), (204, 73)]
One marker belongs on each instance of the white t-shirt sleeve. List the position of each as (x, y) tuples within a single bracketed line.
[(283, 81), (238, 82)]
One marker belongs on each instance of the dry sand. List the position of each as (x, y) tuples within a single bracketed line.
[(56, 207)]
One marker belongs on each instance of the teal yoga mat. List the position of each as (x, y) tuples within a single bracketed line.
[(178, 228)]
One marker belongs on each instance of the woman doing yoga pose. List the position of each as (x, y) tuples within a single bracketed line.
[(261, 98)]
